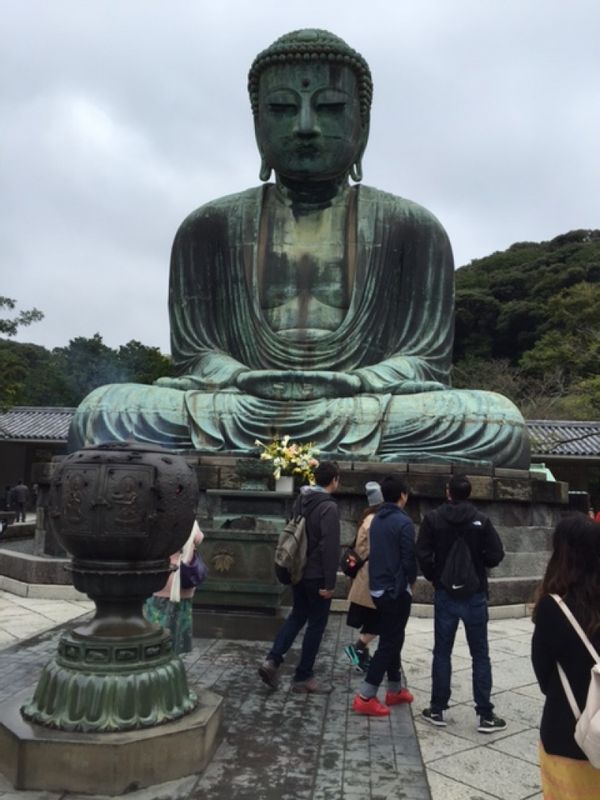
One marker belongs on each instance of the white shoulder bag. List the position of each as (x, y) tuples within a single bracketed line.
[(587, 728), (187, 551)]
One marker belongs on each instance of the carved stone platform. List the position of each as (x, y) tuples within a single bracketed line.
[(241, 526), (37, 758)]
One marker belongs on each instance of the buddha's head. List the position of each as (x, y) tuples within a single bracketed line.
[(311, 100)]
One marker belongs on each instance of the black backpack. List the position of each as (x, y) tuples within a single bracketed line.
[(459, 576)]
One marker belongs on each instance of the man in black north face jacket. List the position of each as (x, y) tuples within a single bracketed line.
[(438, 532)]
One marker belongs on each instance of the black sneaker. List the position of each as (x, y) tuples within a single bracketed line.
[(434, 717), (490, 723)]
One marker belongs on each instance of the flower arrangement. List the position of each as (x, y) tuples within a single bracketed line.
[(290, 458)]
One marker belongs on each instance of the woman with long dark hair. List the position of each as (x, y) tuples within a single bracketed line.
[(572, 574)]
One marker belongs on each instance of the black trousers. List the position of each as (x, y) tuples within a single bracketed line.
[(394, 613)]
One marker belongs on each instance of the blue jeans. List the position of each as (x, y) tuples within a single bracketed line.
[(308, 607), (473, 612)]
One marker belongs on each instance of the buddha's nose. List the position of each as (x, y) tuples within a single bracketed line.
[(307, 124)]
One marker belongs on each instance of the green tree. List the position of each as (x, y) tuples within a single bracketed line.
[(502, 299), (86, 364), (527, 325), (13, 368), (10, 325), (476, 317), (538, 397), (142, 364), (570, 336)]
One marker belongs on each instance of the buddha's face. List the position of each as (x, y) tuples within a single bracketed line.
[(309, 125)]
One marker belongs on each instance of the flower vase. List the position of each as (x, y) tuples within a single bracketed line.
[(285, 484)]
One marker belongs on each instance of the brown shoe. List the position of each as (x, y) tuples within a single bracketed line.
[(311, 686), (268, 673)]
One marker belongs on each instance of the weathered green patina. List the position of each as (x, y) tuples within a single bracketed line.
[(310, 306), (119, 511)]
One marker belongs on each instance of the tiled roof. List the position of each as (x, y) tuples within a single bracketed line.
[(548, 437), (35, 423), (564, 438)]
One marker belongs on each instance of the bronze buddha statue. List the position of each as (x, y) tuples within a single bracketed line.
[(311, 305)]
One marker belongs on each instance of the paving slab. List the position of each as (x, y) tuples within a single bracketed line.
[(521, 745), (447, 789), (280, 746), (491, 771)]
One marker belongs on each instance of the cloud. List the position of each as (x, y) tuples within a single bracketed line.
[(120, 118)]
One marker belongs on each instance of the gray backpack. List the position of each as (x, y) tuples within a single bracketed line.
[(290, 553)]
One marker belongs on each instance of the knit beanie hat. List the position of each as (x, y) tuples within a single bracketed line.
[(374, 496)]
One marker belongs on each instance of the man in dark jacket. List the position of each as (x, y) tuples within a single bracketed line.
[(312, 594), (19, 500), (439, 531), (392, 572)]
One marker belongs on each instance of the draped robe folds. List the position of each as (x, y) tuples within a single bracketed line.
[(398, 329)]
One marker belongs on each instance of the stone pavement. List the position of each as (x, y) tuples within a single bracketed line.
[(463, 764), (281, 746)]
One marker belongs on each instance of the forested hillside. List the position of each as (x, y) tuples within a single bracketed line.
[(528, 325), (35, 376)]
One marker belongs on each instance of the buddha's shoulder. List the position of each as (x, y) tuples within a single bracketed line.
[(398, 208), (224, 207)]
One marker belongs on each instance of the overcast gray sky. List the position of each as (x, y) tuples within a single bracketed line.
[(120, 117)]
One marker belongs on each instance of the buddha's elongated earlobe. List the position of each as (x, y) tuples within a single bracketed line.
[(265, 170), (356, 172)]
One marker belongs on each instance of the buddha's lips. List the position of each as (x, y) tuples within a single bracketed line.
[(307, 150)]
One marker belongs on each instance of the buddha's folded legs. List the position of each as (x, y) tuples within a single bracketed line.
[(452, 426), (456, 426), (122, 411)]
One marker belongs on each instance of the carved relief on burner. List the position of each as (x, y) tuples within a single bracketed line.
[(73, 490), (223, 560), (128, 499)]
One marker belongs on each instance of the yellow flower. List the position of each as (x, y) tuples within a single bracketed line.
[(290, 458)]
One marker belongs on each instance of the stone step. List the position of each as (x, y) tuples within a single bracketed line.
[(520, 564), (502, 590), (264, 522), (527, 539)]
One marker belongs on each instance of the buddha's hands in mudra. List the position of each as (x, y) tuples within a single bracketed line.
[(290, 384), (275, 384), (183, 383), (416, 387), (316, 384)]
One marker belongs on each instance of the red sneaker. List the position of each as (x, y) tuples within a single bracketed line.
[(370, 708), (395, 698)]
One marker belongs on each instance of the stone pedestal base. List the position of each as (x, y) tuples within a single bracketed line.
[(108, 685), (36, 758)]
